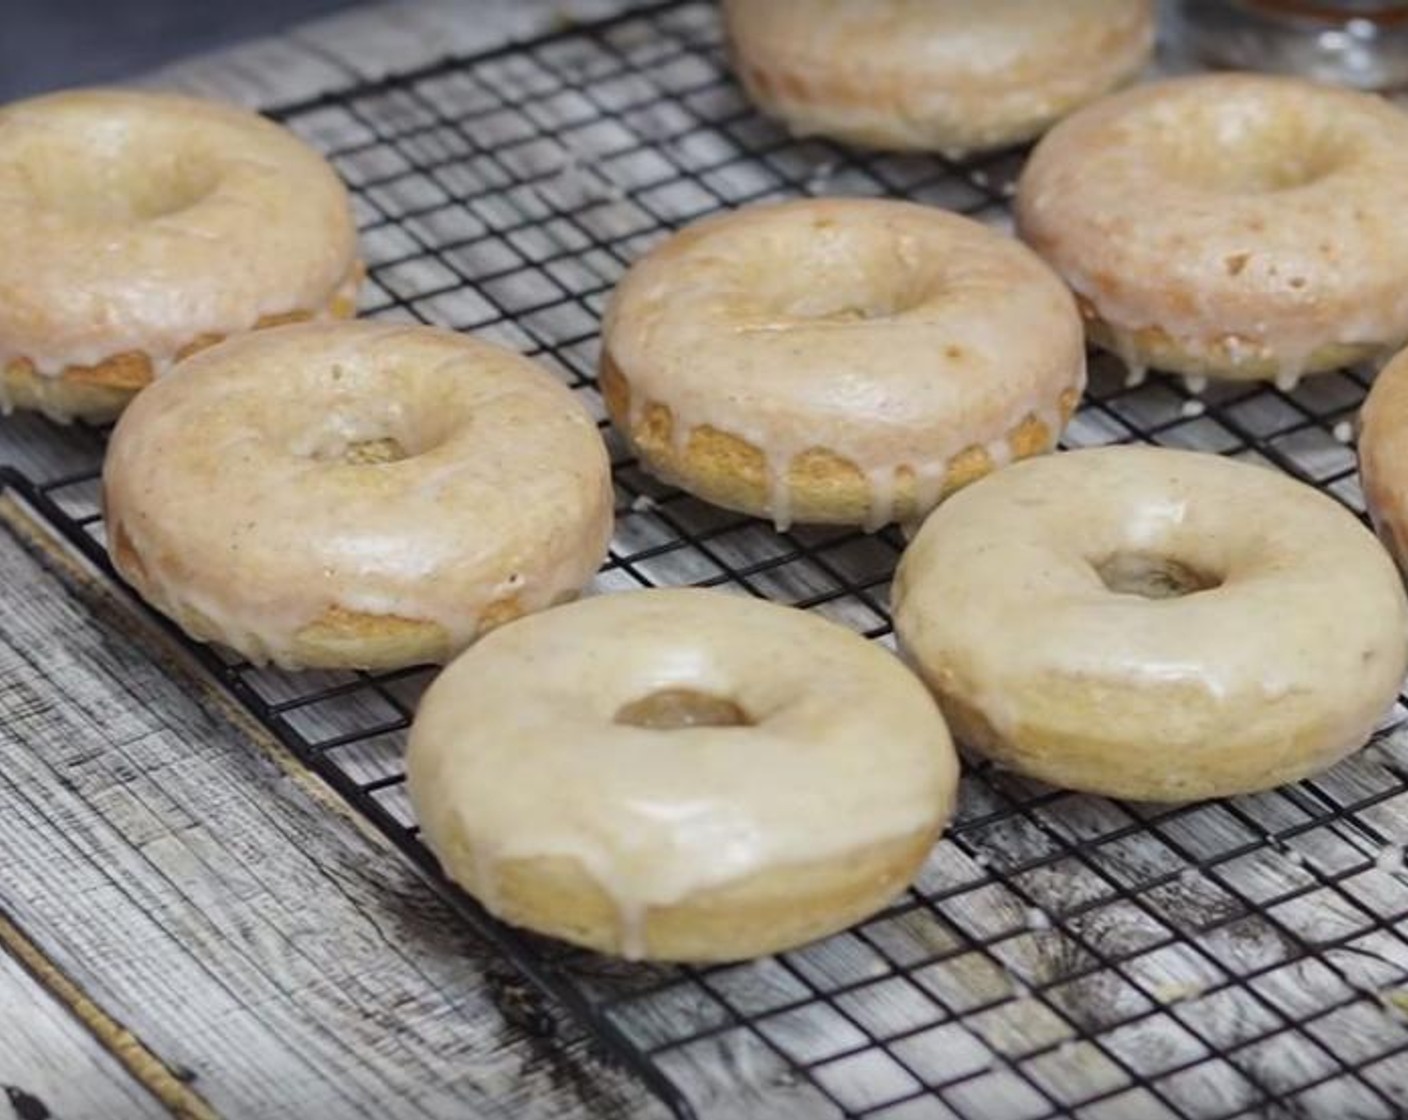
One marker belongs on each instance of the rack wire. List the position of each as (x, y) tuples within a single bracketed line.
[(1059, 955)]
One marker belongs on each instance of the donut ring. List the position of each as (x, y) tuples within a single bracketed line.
[(1383, 456), (680, 775), (355, 495), (1235, 225), (1152, 624), (842, 361), (136, 228), (946, 75)]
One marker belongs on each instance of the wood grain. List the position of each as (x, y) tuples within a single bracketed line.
[(50, 1064), (169, 1087), (204, 897), (368, 42)]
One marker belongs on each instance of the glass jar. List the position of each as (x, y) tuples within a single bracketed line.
[(1360, 43)]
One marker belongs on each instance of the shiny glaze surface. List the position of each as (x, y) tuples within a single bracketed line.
[(893, 335), (517, 746), (953, 75)]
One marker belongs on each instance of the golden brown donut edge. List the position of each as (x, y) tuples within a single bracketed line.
[(825, 488)]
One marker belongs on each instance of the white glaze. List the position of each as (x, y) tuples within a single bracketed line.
[(950, 75), (1168, 206), (1383, 456), (1281, 669), (747, 323), (514, 748), (93, 264), (226, 479)]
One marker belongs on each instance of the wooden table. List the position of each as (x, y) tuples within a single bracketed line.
[(193, 922)]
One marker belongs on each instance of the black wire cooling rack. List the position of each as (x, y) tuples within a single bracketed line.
[(1059, 955)]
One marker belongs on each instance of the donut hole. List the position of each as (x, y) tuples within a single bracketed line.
[(834, 307), (144, 196), (371, 452), (363, 433), (673, 709), (346, 444), (842, 273), (1241, 148), (1152, 576), (114, 180)]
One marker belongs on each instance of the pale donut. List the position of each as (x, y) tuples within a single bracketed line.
[(680, 774), (946, 75), (1383, 456), (1043, 607), (358, 495), (136, 228), (843, 361), (1242, 226)]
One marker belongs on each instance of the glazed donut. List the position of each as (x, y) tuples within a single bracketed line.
[(1153, 624), (946, 75), (1235, 225), (680, 775), (136, 228), (1383, 456), (842, 361), (355, 495)]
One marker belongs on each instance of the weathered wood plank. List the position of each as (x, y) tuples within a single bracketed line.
[(170, 1087), (370, 41), (210, 899), (50, 1063)]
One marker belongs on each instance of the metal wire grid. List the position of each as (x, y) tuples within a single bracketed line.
[(1059, 955)]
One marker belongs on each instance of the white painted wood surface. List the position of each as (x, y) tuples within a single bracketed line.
[(48, 1060), (370, 42)]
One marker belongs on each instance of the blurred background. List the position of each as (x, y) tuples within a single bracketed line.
[(50, 43)]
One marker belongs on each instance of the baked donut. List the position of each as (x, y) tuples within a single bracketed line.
[(1383, 456), (136, 228), (680, 775), (947, 75), (1153, 624), (844, 361), (1235, 225), (355, 495)]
